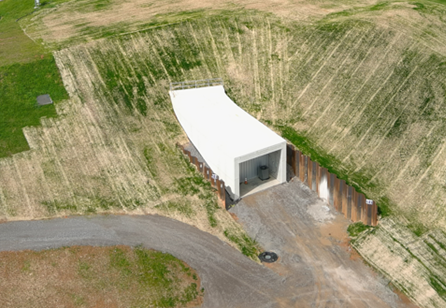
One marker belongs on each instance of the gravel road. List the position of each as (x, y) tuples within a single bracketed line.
[(229, 278), (312, 271)]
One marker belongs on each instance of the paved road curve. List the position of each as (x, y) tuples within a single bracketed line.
[(306, 275)]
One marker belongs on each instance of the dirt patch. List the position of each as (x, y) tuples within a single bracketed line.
[(316, 259), (86, 276), (320, 211), (336, 229), (335, 232), (234, 216)]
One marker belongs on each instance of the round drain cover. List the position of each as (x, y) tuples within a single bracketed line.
[(268, 257)]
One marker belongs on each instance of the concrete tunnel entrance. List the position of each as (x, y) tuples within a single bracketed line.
[(259, 173), (232, 143)]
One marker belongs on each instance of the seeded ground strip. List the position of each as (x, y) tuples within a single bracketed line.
[(112, 148)]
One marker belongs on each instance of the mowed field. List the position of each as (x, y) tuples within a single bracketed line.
[(366, 97), (111, 149), (364, 86), (359, 86)]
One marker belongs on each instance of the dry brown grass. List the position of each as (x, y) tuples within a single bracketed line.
[(71, 19), (414, 264), (94, 157), (84, 276), (342, 81)]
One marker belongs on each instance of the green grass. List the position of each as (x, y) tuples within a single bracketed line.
[(247, 246), (148, 270), (433, 266), (438, 285), (180, 58), (15, 45), (417, 229), (126, 276), (356, 228), (151, 164), (169, 54), (53, 207), (442, 246), (183, 208), (87, 32), (153, 269), (27, 70), (93, 5), (20, 84), (87, 204), (438, 1), (197, 185)]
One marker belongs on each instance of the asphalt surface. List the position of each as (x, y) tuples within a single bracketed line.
[(307, 274)]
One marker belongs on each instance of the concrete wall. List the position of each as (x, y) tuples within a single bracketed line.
[(274, 163), (281, 148), (344, 198), (249, 168), (223, 133)]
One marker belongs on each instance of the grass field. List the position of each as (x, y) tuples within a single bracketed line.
[(20, 84), (83, 276), (291, 79), (439, 1), (359, 86), (15, 45), (27, 70), (111, 149), (415, 264)]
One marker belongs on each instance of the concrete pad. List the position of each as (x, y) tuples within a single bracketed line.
[(44, 100), (257, 185)]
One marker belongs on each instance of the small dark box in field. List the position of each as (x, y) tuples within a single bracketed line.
[(44, 100)]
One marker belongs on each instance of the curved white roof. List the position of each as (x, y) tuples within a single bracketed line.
[(209, 116), (224, 134)]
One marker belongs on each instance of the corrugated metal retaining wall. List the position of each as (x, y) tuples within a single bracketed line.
[(208, 174), (342, 197)]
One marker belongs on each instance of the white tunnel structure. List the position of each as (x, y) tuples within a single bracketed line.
[(232, 142)]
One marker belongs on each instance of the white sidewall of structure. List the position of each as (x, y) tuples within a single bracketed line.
[(225, 134)]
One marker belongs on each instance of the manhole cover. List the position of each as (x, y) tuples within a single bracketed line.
[(268, 257)]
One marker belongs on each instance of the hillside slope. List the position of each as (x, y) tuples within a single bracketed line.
[(360, 88)]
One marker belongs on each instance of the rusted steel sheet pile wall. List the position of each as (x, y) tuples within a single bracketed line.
[(342, 197), (208, 174)]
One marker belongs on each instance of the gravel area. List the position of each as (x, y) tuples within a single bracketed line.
[(229, 278), (315, 268), (318, 266)]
